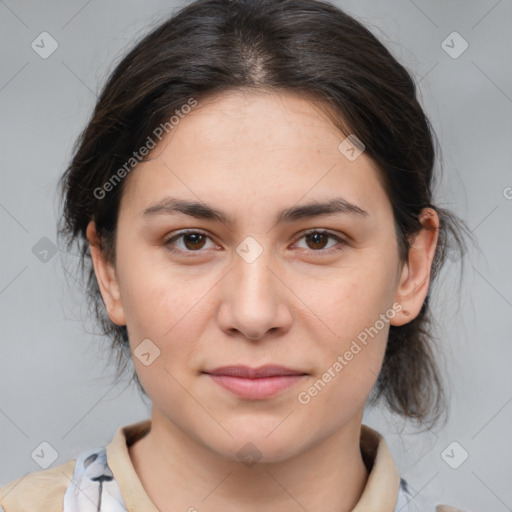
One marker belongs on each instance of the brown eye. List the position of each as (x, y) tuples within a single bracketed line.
[(192, 241), (316, 241)]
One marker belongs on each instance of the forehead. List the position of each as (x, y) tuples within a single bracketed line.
[(241, 147), (256, 121)]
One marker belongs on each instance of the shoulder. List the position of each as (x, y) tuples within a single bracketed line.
[(81, 484), (38, 491)]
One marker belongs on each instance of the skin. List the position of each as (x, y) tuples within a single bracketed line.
[(251, 155)]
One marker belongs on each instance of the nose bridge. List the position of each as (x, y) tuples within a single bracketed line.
[(252, 273), (252, 302)]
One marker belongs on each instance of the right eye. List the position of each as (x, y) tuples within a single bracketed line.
[(193, 241)]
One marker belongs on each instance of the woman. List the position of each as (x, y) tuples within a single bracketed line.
[(252, 198)]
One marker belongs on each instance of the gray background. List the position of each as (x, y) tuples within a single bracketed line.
[(54, 377)]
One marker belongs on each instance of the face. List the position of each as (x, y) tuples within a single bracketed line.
[(312, 293)]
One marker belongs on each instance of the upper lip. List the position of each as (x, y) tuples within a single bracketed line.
[(254, 373)]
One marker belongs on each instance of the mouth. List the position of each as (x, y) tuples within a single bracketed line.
[(255, 383)]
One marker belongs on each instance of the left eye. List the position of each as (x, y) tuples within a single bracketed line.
[(317, 237), (194, 241)]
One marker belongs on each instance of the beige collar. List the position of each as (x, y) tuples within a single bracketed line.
[(379, 495)]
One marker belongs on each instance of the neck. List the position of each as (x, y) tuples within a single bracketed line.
[(179, 473)]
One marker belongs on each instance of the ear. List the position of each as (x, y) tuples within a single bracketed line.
[(106, 277), (415, 276)]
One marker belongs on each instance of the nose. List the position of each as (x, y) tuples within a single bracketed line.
[(255, 298)]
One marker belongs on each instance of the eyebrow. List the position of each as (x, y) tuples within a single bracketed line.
[(170, 206)]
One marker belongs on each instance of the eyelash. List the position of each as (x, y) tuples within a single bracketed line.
[(320, 252)]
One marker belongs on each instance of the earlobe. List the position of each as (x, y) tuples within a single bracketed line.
[(414, 281), (106, 277)]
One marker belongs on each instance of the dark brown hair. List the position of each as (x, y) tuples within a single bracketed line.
[(309, 47)]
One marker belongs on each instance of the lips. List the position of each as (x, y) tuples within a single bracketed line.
[(246, 372), (255, 383)]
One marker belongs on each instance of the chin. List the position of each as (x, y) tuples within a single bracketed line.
[(252, 444)]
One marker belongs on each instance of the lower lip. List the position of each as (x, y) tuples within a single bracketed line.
[(256, 389)]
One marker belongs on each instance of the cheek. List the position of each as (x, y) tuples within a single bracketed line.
[(348, 300), (351, 325), (164, 307), (340, 388), (156, 295)]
